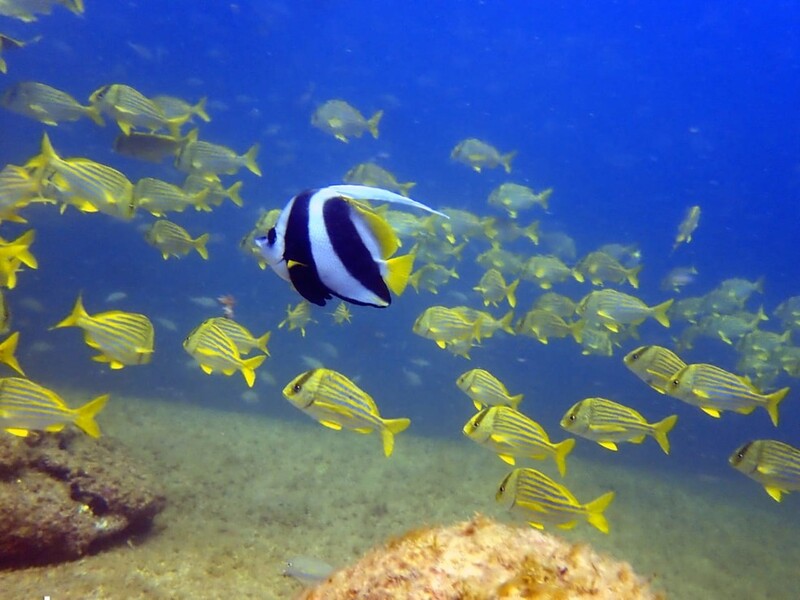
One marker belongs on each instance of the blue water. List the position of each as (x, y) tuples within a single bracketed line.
[(631, 113)]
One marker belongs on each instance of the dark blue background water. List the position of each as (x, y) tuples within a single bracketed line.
[(631, 113)]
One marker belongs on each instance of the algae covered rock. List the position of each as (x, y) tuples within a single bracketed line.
[(65, 495), (482, 559)]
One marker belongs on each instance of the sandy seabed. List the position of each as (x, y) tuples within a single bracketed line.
[(247, 492)]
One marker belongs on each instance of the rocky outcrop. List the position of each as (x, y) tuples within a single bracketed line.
[(64, 495), (482, 560)]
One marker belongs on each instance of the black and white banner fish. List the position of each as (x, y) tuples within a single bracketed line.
[(328, 242)]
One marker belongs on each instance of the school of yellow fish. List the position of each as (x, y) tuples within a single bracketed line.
[(505, 245)]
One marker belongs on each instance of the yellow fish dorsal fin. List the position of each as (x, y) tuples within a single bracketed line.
[(331, 424), (711, 411), (383, 232), (608, 445)]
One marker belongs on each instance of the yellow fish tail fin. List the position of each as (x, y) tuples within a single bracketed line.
[(576, 329), (77, 315), (22, 249), (506, 159), (661, 429), (511, 293), (261, 342), (595, 510), (3, 69), (515, 400), (660, 312), (94, 115), (506, 323), (250, 159), (233, 193), (406, 187), (390, 428), (199, 109), (632, 275), (773, 400), (200, 245), (249, 367), (413, 279), (84, 418), (373, 123), (8, 351), (174, 125), (398, 272), (560, 456)]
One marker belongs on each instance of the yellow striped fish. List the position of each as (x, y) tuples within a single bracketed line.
[(240, 335), (773, 464), (205, 157), (614, 309), (484, 389), (511, 434), (173, 240), (607, 422), (444, 326), (336, 402), (122, 338), (714, 390), (540, 500), (26, 406), (88, 185), (159, 197), (46, 104), (132, 109), (215, 351), (655, 365)]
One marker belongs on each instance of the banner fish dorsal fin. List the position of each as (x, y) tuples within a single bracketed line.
[(365, 192), (383, 232)]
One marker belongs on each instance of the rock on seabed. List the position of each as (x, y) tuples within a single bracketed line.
[(64, 495), (481, 559)]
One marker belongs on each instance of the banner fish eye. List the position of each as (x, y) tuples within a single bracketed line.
[(271, 236)]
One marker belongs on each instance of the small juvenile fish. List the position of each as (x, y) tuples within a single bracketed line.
[(539, 500), (308, 570), (336, 402), (771, 463), (297, 317), (607, 422)]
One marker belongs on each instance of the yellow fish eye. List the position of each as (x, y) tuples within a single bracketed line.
[(297, 387)]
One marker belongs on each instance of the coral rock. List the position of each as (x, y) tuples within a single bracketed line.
[(482, 559), (65, 495)]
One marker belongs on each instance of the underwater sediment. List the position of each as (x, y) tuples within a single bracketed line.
[(65, 495), (482, 559)]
